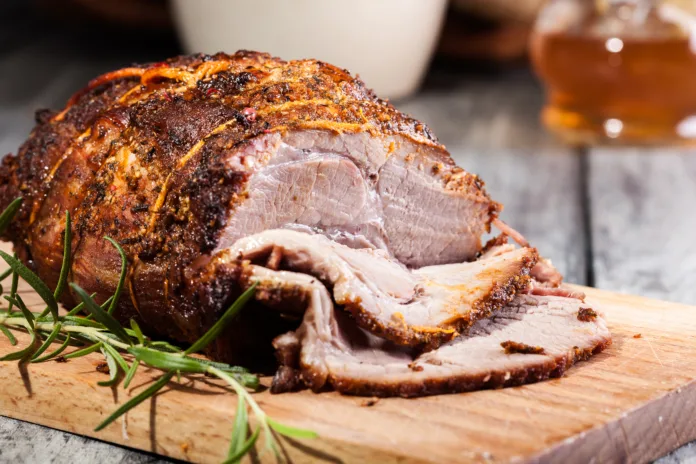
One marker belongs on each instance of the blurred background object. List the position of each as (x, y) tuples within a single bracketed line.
[(388, 43), (137, 13), (618, 70), (488, 30)]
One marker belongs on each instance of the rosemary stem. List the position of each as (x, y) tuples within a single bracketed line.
[(48, 326), (241, 391)]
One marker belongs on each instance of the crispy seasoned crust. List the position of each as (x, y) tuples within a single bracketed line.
[(512, 347), (587, 314)]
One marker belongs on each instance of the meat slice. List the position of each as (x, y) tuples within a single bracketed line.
[(531, 339), (423, 307)]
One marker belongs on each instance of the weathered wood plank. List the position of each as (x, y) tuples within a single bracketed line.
[(25, 442), (643, 223)]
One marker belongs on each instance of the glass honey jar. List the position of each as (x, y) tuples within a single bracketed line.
[(618, 71)]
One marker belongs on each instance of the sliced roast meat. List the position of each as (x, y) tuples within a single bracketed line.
[(531, 339), (563, 290), (423, 307)]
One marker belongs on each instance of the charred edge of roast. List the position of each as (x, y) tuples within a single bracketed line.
[(287, 379), (500, 295), (553, 368)]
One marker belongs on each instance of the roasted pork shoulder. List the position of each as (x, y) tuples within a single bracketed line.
[(215, 172)]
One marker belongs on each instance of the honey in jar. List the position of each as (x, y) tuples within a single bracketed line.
[(618, 71)]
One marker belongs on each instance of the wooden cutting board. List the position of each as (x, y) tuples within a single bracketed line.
[(632, 403)]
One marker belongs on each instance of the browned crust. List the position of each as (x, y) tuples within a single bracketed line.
[(500, 295), (287, 379), (512, 347), (498, 240), (587, 315), (408, 388)]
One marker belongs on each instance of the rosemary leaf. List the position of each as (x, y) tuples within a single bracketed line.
[(84, 351), (8, 334), (9, 213), (13, 288), (79, 307), (117, 356), (165, 346), (113, 368), (220, 325), (28, 315), (82, 322), (32, 279), (6, 274), (23, 353), (258, 412), (136, 400), (291, 432), (122, 278), (221, 366), (244, 449), (65, 267), (54, 354), (44, 346), (239, 429), (167, 361), (131, 373), (102, 316), (138, 333), (177, 362)]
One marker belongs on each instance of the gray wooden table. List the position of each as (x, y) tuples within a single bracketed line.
[(618, 219)]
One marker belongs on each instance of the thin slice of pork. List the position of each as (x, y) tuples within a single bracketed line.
[(421, 308), (531, 339), (544, 272)]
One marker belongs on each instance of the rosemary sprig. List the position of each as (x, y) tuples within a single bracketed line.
[(100, 331)]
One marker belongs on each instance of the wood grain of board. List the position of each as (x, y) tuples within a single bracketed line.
[(634, 402)]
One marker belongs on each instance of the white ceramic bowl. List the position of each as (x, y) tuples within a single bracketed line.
[(387, 42)]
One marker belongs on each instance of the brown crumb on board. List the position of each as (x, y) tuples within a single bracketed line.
[(587, 315), (370, 402), (515, 347), (61, 359), (184, 447), (638, 336), (103, 368)]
